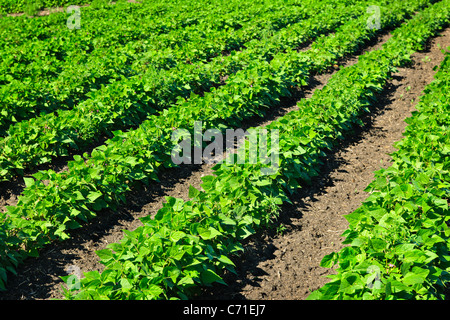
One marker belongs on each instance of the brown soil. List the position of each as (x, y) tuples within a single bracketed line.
[(274, 265)]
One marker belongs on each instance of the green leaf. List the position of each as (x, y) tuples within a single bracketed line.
[(104, 254), (245, 232), (207, 234), (125, 284), (328, 292), (350, 283), (186, 281), (153, 290), (380, 183), (178, 206), (446, 149), (29, 182), (262, 183), (226, 260), (72, 224), (416, 276), (329, 260), (193, 192), (388, 289), (78, 195), (177, 235), (378, 244), (209, 276), (173, 273), (94, 196)]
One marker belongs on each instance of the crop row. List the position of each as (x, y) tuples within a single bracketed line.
[(397, 242), (130, 101), (188, 243), (166, 16), (45, 211)]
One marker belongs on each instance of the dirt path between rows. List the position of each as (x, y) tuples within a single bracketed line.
[(274, 265)]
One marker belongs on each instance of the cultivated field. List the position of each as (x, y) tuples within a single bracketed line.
[(163, 149)]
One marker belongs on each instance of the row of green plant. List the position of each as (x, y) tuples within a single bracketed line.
[(46, 211), (165, 17), (190, 243), (31, 6), (59, 78), (16, 32), (121, 24), (397, 242), (128, 102)]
